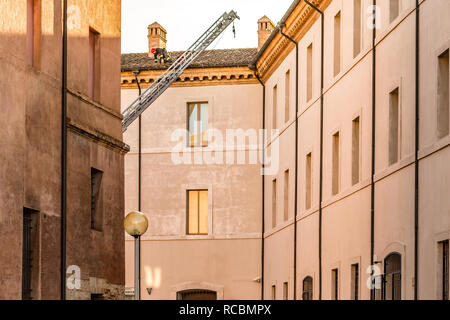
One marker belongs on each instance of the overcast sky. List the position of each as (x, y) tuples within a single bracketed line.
[(186, 20)]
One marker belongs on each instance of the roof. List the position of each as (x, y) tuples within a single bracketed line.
[(220, 58)]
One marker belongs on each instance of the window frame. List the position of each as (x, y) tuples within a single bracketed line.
[(198, 212), (199, 133)]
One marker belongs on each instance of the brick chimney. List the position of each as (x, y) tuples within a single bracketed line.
[(265, 28), (156, 36)]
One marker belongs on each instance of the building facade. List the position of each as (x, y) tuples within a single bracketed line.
[(31, 57), (357, 208)]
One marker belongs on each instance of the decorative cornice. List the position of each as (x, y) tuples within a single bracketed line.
[(194, 77), (298, 23)]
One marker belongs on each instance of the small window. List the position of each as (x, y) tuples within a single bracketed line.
[(274, 292), (274, 203), (394, 115), (393, 277), (443, 95), (337, 43), (307, 288), (286, 195), (308, 189), (444, 269), (274, 113), (287, 95), (94, 65), (309, 72), (355, 150), (335, 164), (357, 17), (198, 124), (335, 284), (197, 212), (34, 32), (285, 291), (197, 295), (96, 200), (394, 10), (355, 281)]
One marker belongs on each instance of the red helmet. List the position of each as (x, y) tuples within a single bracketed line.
[(153, 50)]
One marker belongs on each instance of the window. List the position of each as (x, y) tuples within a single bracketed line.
[(393, 277), (393, 126), (287, 95), (355, 282), (394, 9), (274, 203), (198, 124), (30, 254), (274, 292), (307, 288), (285, 291), (197, 212), (286, 195), (96, 200), (335, 284), (335, 163), (33, 32), (444, 271), (308, 181), (309, 72), (337, 43), (197, 295), (94, 65), (274, 114), (443, 95), (355, 150), (357, 13)]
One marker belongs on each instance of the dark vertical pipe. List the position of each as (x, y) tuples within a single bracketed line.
[(372, 182), (416, 161), (64, 154), (263, 183), (322, 50), (296, 158)]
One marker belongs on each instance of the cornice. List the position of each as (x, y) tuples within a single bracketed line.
[(194, 77), (299, 22)]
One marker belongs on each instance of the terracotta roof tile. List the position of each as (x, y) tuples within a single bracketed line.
[(207, 59)]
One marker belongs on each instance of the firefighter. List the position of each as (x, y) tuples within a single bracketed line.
[(160, 55)]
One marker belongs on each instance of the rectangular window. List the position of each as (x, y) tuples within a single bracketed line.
[(308, 180), (33, 32), (30, 254), (309, 72), (285, 291), (274, 203), (335, 164), (198, 124), (444, 272), (443, 95), (335, 284), (355, 282), (355, 150), (287, 95), (94, 65), (286, 195), (96, 200), (394, 9), (274, 114), (357, 13), (337, 44), (274, 292), (393, 126), (197, 212)]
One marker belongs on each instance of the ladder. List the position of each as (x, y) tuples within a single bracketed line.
[(160, 85)]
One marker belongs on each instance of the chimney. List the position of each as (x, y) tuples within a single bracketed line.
[(265, 28), (156, 37)]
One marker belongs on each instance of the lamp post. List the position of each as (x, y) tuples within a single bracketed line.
[(136, 225)]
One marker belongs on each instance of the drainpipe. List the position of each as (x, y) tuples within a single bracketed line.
[(296, 157), (322, 42), (64, 155), (138, 242), (372, 181), (416, 161), (263, 176)]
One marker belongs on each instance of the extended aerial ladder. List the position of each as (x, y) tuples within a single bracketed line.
[(176, 69)]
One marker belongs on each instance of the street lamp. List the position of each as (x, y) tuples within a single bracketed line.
[(136, 225)]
